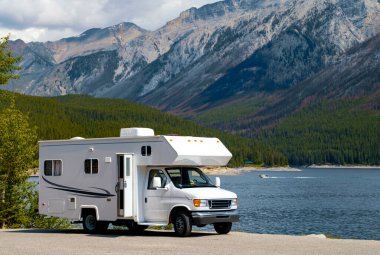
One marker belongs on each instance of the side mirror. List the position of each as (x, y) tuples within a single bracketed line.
[(156, 182), (217, 182)]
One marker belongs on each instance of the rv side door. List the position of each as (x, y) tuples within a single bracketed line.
[(125, 198)]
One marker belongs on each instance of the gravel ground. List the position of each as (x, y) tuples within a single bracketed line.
[(164, 242)]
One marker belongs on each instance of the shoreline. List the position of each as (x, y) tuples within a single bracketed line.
[(342, 166), (241, 170)]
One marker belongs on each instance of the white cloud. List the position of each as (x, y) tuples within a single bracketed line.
[(42, 20)]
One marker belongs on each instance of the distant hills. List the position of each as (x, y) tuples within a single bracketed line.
[(248, 67)]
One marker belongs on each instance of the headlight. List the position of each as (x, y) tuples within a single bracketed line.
[(200, 202), (234, 202)]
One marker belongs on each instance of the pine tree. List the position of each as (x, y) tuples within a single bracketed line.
[(8, 63), (18, 148)]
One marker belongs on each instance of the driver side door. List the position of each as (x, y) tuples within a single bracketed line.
[(157, 200)]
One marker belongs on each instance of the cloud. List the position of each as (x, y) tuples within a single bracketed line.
[(42, 20)]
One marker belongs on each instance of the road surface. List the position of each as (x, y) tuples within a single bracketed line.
[(165, 242)]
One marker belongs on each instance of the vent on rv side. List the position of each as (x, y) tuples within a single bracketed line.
[(133, 132)]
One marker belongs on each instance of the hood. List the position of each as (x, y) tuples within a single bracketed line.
[(208, 193)]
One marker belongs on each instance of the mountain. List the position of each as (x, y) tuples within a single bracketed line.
[(205, 57), (354, 75)]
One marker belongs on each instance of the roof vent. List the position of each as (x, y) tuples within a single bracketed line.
[(133, 132)]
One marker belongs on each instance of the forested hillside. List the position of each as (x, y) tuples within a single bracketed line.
[(68, 116), (335, 132), (340, 132)]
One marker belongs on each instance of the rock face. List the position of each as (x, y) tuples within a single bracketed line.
[(205, 57), (354, 74)]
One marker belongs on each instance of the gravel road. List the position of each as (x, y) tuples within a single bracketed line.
[(164, 242)]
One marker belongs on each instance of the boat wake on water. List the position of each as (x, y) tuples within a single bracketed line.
[(265, 176)]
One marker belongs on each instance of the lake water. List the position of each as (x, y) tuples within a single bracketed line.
[(344, 203)]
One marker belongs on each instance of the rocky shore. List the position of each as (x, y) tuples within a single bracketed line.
[(240, 170)]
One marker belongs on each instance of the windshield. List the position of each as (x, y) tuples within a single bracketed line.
[(184, 177)]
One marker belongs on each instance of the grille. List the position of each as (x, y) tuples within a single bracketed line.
[(219, 204)]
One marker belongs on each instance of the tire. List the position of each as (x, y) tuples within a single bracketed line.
[(91, 225), (136, 228), (182, 224), (223, 227)]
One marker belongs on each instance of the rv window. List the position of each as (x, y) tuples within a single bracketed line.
[(48, 168), (156, 173), (143, 150), (149, 151), (91, 166), (57, 167), (94, 166), (53, 167), (87, 166), (146, 150)]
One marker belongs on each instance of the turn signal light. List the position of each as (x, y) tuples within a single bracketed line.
[(197, 202), (200, 202)]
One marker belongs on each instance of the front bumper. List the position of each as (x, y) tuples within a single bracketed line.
[(202, 218)]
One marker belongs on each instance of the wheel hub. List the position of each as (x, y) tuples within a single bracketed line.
[(90, 222)]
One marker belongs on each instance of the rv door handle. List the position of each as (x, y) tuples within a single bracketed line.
[(146, 200), (122, 184)]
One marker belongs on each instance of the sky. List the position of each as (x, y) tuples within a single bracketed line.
[(49, 20)]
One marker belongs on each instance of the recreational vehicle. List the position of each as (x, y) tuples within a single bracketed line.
[(136, 180)]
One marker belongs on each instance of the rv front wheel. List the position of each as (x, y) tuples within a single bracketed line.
[(223, 227), (182, 224)]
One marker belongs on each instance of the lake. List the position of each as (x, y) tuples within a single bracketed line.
[(343, 203)]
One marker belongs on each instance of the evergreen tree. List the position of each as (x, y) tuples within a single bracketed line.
[(8, 63), (18, 148)]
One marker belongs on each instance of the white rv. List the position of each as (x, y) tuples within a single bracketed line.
[(137, 180)]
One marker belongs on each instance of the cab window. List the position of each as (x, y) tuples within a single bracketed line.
[(188, 177), (156, 173)]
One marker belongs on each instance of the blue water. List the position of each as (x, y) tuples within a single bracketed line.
[(344, 203)]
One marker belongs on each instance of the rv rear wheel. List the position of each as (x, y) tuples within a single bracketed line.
[(182, 224), (223, 227), (91, 225)]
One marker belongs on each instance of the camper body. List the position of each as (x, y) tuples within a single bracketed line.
[(137, 180)]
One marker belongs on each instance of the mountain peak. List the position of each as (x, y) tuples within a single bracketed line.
[(126, 26)]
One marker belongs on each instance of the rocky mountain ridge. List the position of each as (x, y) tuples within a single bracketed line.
[(205, 57)]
